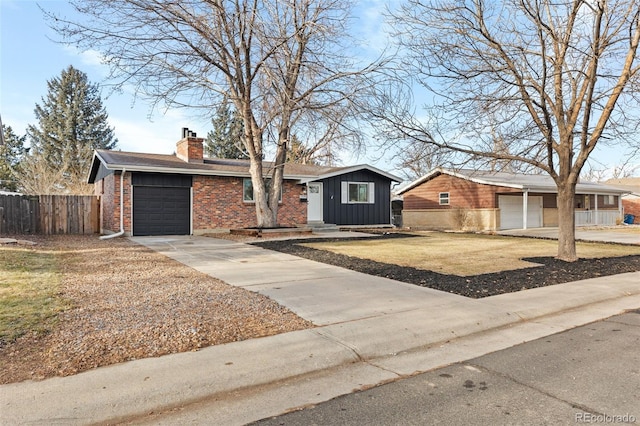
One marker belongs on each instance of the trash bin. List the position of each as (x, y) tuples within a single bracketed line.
[(629, 218)]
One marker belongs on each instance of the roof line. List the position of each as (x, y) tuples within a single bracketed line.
[(543, 189), (352, 169), (203, 172)]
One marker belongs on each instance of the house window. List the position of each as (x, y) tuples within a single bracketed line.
[(443, 198), (358, 192), (247, 190), (609, 200)]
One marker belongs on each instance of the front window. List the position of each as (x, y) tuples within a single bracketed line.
[(358, 192), (444, 198), (247, 190)]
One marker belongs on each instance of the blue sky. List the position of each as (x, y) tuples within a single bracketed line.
[(28, 58)]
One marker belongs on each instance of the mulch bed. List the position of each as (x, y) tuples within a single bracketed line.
[(551, 271)]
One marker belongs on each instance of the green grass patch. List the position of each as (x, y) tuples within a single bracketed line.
[(29, 292)]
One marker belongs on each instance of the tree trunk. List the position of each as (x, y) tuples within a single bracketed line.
[(566, 223), (266, 217)]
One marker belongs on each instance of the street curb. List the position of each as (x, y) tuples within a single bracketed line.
[(135, 389)]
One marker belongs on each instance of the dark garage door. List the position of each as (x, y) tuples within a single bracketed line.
[(161, 210)]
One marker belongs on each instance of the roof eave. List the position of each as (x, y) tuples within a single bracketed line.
[(351, 170), (179, 170)]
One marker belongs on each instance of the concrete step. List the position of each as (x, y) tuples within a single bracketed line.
[(323, 227)]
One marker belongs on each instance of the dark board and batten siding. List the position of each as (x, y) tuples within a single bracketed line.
[(378, 213)]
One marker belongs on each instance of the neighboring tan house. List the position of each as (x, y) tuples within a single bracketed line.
[(630, 201), (187, 194), (481, 200)]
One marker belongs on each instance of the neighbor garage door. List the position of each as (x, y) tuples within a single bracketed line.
[(511, 211)]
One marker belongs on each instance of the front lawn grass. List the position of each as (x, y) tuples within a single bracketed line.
[(464, 254), (29, 292)]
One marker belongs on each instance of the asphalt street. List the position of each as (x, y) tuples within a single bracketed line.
[(589, 374)]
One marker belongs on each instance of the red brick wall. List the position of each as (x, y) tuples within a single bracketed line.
[(632, 206), (107, 198), (110, 203), (462, 194), (190, 150), (217, 203), (127, 202)]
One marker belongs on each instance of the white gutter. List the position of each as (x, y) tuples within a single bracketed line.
[(201, 172), (121, 233)]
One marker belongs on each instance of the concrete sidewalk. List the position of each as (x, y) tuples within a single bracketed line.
[(619, 234), (370, 330)]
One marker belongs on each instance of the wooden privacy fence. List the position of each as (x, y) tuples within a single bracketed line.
[(49, 214)]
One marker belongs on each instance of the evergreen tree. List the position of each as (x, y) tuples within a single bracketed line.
[(72, 122), (298, 153), (11, 153), (226, 138)]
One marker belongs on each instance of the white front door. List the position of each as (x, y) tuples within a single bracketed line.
[(314, 202)]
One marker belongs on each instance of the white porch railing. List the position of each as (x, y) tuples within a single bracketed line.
[(604, 217)]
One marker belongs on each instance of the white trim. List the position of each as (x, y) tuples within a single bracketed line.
[(344, 196), (351, 170), (344, 192), (525, 208), (130, 206), (311, 200)]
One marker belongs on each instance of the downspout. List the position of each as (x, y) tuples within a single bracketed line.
[(121, 233)]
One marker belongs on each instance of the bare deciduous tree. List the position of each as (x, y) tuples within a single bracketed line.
[(37, 176), (277, 61), (550, 79)]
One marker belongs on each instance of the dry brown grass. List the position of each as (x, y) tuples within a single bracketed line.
[(121, 301), (464, 254)]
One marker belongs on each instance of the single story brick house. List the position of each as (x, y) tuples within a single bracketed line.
[(630, 201), (483, 200), (186, 193)]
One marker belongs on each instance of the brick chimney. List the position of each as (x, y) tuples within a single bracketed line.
[(190, 147)]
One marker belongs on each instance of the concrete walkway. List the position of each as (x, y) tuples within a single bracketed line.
[(619, 234), (370, 330)]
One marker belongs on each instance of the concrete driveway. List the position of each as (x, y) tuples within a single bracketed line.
[(619, 234), (323, 294)]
